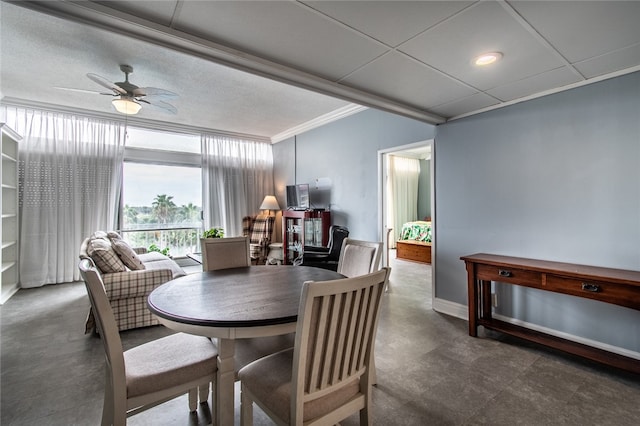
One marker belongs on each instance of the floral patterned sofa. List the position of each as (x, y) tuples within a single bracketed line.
[(129, 275)]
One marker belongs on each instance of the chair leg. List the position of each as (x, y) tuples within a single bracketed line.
[(193, 399), (107, 411), (246, 407), (203, 393)]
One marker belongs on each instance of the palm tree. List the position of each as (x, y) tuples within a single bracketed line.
[(163, 208), (189, 213)]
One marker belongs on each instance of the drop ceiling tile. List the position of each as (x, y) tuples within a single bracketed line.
[(464, 105), (537, 83), (485, 27), (396, 76), (284, 32), (583, 29), (160, 12), (611, 62), (391, 22)]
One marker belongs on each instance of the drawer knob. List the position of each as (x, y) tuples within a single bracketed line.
[(504, 273), (594, 288)]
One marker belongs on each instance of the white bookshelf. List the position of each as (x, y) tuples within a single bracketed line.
[(10, 278)]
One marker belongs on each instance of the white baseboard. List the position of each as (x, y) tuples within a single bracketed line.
[(461, 311), (450, 308)]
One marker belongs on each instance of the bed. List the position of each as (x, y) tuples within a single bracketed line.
[(414, 242)]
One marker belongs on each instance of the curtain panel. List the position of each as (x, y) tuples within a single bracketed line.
[(70, 172), (236, 175), (404, 177)]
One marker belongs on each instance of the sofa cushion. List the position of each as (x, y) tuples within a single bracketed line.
[(127, 254), (114, 236), (165, 263), (104, 256)]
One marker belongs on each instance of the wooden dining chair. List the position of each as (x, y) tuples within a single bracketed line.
[(149, 374), (223, 253), (359, 257), (326, 377)]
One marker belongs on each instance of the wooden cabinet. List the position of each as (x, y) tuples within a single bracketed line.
[(9, 280), (616, 286), (303, 228)]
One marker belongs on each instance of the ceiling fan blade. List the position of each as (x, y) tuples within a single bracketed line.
[(92, 92), (155, 92), (161, 104), (106, 83)]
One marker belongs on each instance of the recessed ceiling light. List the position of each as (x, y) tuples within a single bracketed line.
[(487, 58)]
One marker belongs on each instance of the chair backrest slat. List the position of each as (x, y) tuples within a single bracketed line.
[(342, 336)]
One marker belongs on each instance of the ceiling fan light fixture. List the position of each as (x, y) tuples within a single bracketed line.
[(487, 58), (126, 105)]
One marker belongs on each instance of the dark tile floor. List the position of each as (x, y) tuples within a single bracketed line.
[(429, 370)]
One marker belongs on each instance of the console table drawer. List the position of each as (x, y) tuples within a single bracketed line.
[(617, 294), (509, 275)]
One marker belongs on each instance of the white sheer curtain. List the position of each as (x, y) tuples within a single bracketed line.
[(70, 171), (236, 175), (402, 190)]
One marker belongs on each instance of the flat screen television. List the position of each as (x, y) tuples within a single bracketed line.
[(298, 196)]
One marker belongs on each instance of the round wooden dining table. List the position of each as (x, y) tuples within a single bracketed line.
[(229, 304)]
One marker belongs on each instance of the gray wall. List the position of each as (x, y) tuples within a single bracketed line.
[(424, 190), (346, 152), (554, 178)]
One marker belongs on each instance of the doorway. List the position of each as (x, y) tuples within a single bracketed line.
[(422, 151)]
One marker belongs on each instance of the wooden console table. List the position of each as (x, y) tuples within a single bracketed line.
[(616, 286)]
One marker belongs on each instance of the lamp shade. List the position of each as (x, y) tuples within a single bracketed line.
[(269, 203), (126, 105)]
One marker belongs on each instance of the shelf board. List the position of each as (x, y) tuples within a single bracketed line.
[(7, 244), (8, 157), (7, 265)]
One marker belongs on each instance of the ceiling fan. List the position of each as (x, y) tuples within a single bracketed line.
[(128, 98)]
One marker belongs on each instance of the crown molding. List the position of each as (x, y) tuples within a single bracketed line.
[(319, 121)]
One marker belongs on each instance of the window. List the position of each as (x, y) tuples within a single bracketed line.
[(162, 192), (162, 141)]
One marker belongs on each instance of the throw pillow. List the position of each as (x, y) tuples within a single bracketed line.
[(113, 236), (98, 234), (127, 255), (103, 255)]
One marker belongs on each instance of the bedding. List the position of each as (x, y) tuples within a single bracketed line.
[(419, 230)]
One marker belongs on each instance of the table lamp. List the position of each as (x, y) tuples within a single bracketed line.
[(269, 203)]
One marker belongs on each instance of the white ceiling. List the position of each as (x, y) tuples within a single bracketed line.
[(319, 57)]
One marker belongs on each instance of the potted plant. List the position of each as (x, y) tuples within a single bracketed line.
[(213, 233), (164, 251)]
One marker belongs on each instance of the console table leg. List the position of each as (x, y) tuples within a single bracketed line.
[(485, 311), (472, 287)]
